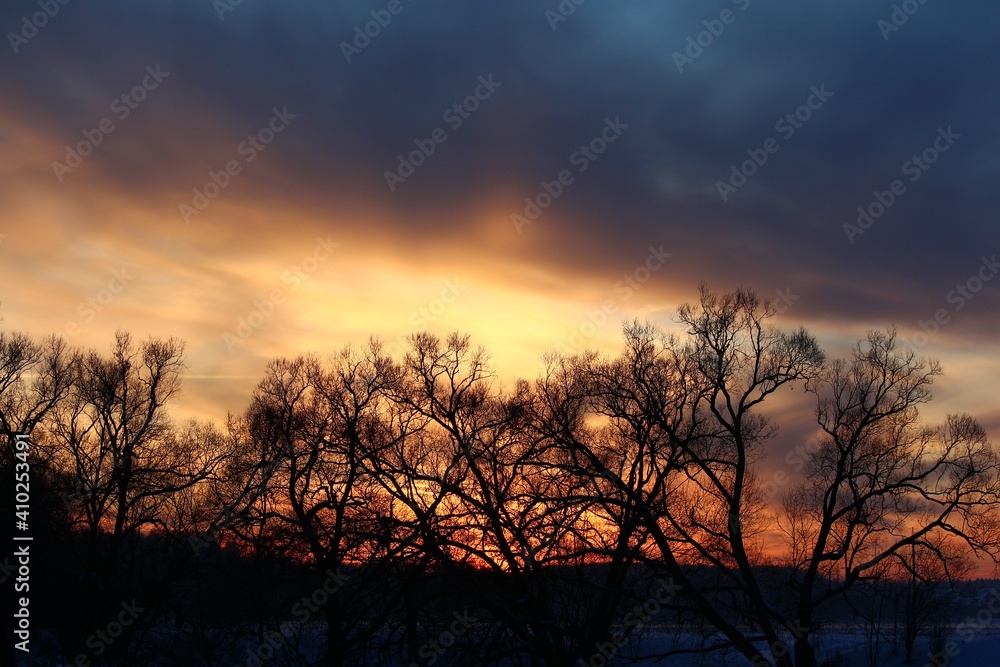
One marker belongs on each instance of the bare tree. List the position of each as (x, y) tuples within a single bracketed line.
[(476, 490), (927, 574), (327, 422), (871, 608), (684, 436), (619, 461), (883, 482), (682, 449), (128, 460), (33, 379), (548, 505)]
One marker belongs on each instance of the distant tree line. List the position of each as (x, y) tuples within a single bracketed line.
[(369, 510)]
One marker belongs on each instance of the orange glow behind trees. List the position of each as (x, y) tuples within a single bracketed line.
[(650, 459)]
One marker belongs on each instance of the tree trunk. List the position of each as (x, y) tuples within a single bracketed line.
[(805, 654), (336, 640), (410, 611)]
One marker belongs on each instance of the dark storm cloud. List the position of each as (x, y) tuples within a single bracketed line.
[(656, 184)]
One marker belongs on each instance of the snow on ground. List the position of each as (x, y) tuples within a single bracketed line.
[(848, 650), (834, 649)]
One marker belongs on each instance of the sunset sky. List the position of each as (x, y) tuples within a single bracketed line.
[(635, 115)]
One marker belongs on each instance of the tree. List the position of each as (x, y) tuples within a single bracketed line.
[(490, 498), (883, 482), (487, 497), (681, 452), (927, 573), (874, 594), (326, 420), (127, 460), (685, 433), (617, 462), (559, 518), (34, 378)]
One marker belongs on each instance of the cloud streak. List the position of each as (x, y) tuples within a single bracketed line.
[(324, 174)]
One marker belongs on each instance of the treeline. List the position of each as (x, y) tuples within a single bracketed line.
[(372, 510)]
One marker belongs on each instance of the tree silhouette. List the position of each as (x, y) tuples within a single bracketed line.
[(415, 509), (128, 462)]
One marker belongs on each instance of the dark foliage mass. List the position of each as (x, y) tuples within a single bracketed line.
[(369, 510)]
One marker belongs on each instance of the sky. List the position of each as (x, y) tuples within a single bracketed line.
[(265, 179)]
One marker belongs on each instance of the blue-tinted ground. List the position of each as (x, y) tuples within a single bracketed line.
[(835, 649), (851, 650)]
